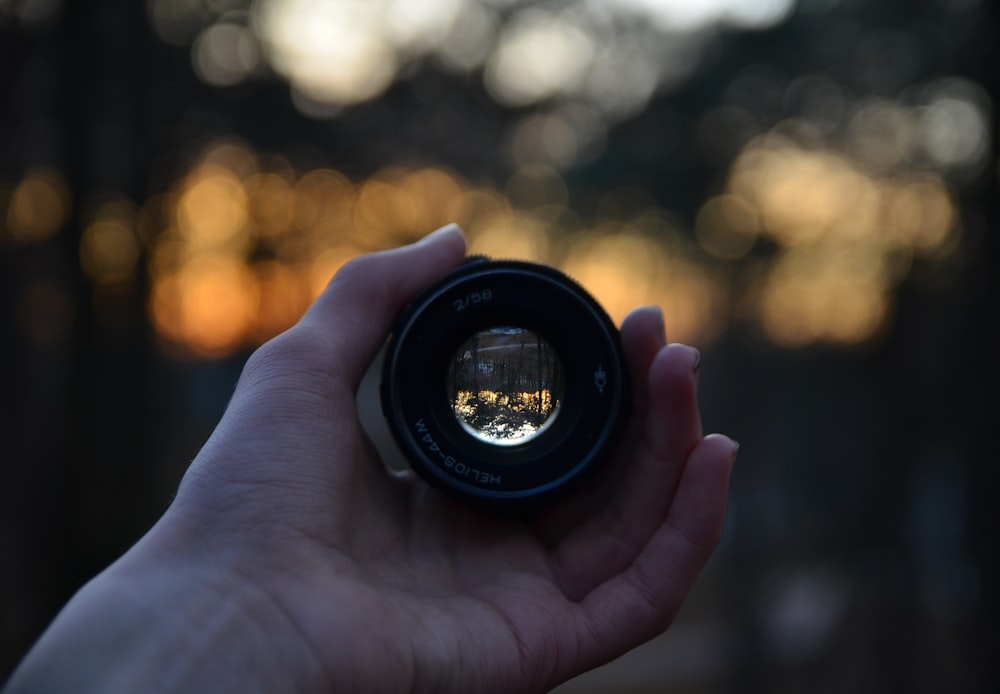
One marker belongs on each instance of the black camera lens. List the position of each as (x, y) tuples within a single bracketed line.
[(504, 383)]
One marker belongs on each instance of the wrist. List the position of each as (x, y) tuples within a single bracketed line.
[(165, 627)]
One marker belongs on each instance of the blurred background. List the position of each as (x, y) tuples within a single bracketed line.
[(808, 187)]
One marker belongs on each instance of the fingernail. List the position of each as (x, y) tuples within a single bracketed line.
[(697, 360), (661, 325), (736, 449)]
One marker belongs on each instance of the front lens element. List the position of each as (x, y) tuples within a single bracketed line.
[(505, 385)]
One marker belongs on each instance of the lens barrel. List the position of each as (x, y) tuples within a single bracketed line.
[(504, 383)]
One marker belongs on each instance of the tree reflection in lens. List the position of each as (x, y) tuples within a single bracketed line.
[(505, 385)]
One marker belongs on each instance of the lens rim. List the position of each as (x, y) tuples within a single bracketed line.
[(477, 296)]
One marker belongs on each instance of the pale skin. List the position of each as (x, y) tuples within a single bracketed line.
[(291, 561)]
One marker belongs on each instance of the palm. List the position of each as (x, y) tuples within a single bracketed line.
[(430, 593), (450, 585)]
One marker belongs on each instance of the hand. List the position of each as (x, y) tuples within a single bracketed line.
[(291, 560)]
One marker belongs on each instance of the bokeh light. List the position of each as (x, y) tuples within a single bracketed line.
[(212, 208), (243, 250), (207, 304), (823, 294), (331, 52), (830, 197), (842, 230), (109, 246), (726, 226), (225, 54), (608, 56), (953, 126), (541, 55), (38, 206), (626, 267), (806, 240)]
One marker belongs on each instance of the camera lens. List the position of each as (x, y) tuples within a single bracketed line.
[(504, 383)]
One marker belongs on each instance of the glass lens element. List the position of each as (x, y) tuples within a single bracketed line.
[(505, 385)]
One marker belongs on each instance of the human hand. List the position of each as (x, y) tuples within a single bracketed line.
[(315, 570)]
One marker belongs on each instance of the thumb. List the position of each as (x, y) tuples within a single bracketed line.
[(355, 312)]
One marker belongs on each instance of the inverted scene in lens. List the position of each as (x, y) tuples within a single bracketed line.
[(505, 385)]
